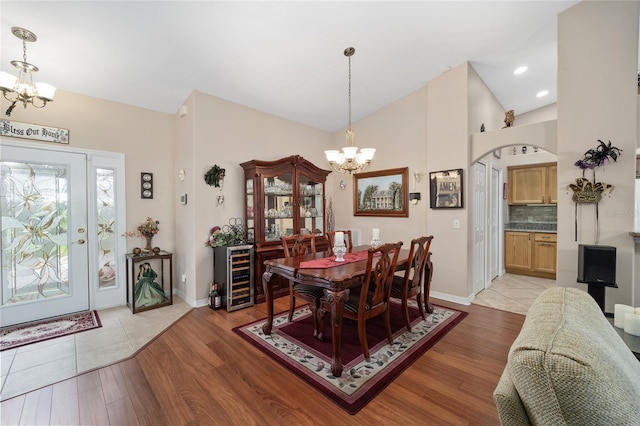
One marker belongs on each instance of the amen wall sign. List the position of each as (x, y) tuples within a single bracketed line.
[(36, 132)]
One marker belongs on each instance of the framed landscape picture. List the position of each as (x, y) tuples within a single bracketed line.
[(446, 189), (381, 193)]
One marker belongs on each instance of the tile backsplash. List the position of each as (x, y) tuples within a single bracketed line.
[(533, 214)]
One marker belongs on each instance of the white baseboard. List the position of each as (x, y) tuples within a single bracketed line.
[(451, 298)]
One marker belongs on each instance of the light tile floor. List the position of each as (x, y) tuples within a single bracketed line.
[(122, 334), (513, 293)]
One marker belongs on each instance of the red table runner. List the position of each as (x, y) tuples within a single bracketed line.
[(330, 262)]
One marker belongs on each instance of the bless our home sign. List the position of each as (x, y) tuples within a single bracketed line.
[(33, 131)]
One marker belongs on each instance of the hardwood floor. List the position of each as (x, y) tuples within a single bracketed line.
[(200, 372)]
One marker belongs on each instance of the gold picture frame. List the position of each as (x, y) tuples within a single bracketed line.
[(381, 193)]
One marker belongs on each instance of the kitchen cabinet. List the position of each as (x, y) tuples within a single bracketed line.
[(530, 253), (533, 184), (544, 253), (282, 197)]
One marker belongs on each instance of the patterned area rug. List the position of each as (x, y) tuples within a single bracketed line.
[(24, 334), (292, 345)]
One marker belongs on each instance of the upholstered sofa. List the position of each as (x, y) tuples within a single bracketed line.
[(568, 366)]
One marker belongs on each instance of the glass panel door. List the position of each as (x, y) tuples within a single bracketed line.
[(279, 207), (311, 207), (44, 233)]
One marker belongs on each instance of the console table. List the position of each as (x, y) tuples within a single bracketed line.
[(162, 264)]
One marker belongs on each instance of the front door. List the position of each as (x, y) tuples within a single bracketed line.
[(44, 234)]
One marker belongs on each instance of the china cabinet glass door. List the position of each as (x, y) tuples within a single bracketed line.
[(311, 206), (279, 206), (250, 214)]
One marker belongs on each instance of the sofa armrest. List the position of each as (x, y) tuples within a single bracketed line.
[(508, 402)]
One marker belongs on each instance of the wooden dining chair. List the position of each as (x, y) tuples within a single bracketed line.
[(412, 283), (348, 241), (299, 245), (372, 298)]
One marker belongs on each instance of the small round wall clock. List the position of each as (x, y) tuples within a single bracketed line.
[(146, 185)]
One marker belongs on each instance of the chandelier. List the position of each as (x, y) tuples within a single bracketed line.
[(22, 89), (349, 160)]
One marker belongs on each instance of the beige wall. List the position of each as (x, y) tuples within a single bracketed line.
[(145, 136), (398, 133), (226, 134), (448, 148), (427, 130), (597, 99)]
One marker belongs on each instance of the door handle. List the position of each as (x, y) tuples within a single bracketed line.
[(80, 241)]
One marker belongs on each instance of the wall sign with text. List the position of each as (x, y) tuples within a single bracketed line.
[(446, 189), (33, 131)]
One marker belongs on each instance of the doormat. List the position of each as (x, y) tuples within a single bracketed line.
[(25, 334), (292, 345)]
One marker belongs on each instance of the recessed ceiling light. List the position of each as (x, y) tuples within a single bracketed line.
[(542, 93), (520, 70)]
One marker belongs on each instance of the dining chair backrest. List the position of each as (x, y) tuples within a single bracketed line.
[(381, 264), (418, 255), (348, 240), (298, 244)]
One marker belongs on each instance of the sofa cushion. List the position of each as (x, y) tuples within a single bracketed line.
[(510, 408), (569, 366)]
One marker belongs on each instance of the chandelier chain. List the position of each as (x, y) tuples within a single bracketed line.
[(24, 49), (349, 92), (350, 159)]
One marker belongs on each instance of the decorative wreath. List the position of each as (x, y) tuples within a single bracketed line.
[(214, 176)]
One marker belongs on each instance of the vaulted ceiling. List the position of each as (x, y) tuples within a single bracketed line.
[(285, 58)]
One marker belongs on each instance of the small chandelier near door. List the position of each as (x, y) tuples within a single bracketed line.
[(22, 89), (350, 160)]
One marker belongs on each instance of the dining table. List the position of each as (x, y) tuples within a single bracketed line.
[(336, 278)]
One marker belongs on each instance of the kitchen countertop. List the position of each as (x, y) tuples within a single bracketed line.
[(542, 227)]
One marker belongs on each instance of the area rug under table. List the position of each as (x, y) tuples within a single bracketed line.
[(292, 344), (24, 334)]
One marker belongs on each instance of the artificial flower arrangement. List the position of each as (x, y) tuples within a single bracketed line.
[(149, 227), (146, 229), (218, 237)]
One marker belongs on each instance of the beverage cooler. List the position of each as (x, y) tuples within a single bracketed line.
[(233, 271)]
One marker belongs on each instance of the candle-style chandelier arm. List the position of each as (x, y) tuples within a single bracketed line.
[(349, 159)]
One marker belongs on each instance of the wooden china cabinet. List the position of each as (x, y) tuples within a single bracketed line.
[(282, 197)]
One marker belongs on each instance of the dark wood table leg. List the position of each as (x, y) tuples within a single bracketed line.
[(268, 294), (428, 273), (336, 299)]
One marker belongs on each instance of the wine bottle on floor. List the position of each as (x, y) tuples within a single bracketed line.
[(215, 298)]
